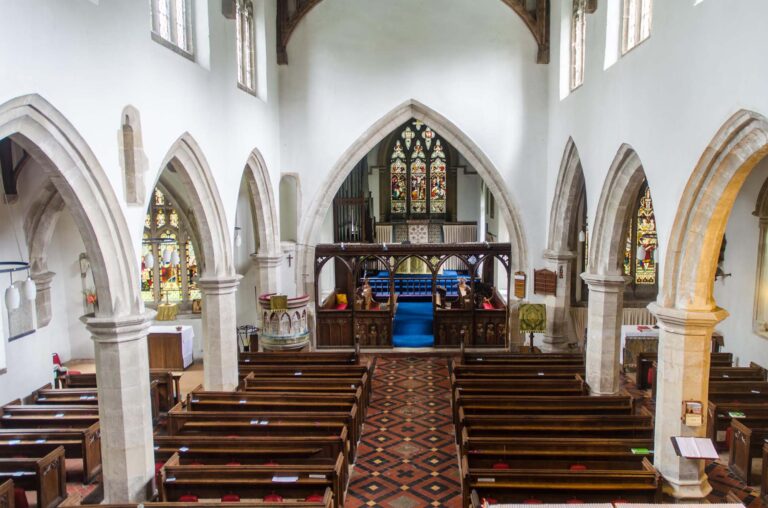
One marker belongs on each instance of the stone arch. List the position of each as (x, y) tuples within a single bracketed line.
[(44, 133), (568, 188), (625, 177), (702, 215), (262, 203), (191, 166), (132, 158), (290, 190), (312, 220)]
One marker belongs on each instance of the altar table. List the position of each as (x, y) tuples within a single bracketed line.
[(170, 347)]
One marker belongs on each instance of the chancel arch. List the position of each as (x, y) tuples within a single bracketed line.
[(686, 308), (318, 209), (567, 247), (617, 212), (186, 174), (119, 325)]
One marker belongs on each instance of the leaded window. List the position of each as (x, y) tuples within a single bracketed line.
[(169, 268), (636, 23), (172, 24), (642, 242), (578, 42), (246, 51), (418, 173)]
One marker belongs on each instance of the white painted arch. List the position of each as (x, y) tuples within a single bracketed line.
[(314, 216), (568, 188), (262, 204), (39, 128)]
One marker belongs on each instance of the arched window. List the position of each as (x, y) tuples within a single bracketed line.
[(578, 42), (171, 25), (417, 166), (246, 53), (636, 23), (168, 265), (640, 249)]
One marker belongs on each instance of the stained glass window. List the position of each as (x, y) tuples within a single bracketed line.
[(167, 237), (642, 242), (418, 172)]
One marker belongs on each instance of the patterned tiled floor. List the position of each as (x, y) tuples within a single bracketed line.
[(407, 457)]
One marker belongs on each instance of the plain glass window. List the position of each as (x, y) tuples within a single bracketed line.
[(172, 24), (636, 26), (246, 51)]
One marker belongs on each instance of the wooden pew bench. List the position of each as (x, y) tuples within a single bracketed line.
[(24, 416), (325, 501), (646, 359), (249, 482), (46, 475), (500, 371), (259, 383), (314, 358), (573, 386), (7, 494), (361, 372), (719, 416), (82, 443), (554, 486), (179, 466), (521, 358), (747, 440), (75, 396)]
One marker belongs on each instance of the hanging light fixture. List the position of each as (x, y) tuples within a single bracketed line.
[(167, 255), (582, 236), (175, 260), (12, 297), (149, 261), (29, 289), (238, 237), (12, 294)]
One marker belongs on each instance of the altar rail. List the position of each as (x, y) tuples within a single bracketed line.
[(343, 319)]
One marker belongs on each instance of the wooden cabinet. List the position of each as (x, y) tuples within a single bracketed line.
[(170, 348)]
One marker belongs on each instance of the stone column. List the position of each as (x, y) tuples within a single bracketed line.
[(683, 374), (558, 305), (604, 318), (125, 414), (220, 333), (267, 266), (43, 282)]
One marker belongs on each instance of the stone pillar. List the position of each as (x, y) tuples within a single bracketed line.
[(43, 282), (604, 318), (683, 374), (558, 305), (125, 413), (220, 333), (267, 267)]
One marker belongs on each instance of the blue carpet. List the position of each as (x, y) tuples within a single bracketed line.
[(413, 325)]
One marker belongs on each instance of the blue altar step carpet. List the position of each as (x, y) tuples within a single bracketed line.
[(413, 325)]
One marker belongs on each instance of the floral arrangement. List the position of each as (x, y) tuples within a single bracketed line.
[(90, 297)]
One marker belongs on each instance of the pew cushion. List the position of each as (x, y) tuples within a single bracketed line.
[(533, 500), (273, 498), (230, 498), (20, 498), (577, 467), (619, 500), (341, 306), (574, 500), (234, 463), (488, 306), (490, 500), (650, 376), (314, 498), (501, 465), (188, 498)]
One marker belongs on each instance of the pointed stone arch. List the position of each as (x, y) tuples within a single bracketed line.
[(188, 161), (119, 328), (570, 189), (262, 203), (316, 211)]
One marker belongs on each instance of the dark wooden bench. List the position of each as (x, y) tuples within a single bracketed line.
[(76, 396), (645, 365), (746, 444), (555, 486), (24, 416), (572, 386), (80, 443), (719, 417), (7, 494), (361, 372), (499, 371), (325, 502), (314, 358), (266, 383), (46, 475)]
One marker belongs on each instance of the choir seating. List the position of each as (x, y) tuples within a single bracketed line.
[(44, 473)]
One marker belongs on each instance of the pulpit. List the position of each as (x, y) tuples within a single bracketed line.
[(170, 347)]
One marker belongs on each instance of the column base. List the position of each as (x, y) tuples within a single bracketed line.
[(694, 491), (554, 344)]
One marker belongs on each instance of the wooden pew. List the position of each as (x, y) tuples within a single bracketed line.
[(719, 417), (284, 358), (645, 362), (738, 390), (573, 386), (314, 371), (521, 358), (167, 385), (326, 501), (179, 416), (764, 474), (500, 371), (46, 475), (746, 443), (76, 396), (7, 494), (301, 384), (554, 486), (249, 481), (80, 443), (48, 416)]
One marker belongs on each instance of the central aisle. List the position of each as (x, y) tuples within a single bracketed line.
[(407, 456)]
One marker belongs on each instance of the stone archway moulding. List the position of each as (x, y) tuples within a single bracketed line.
[(702, 216), (623, 182), (43, 132), (263, 204), (570, 182), (312, 220), (186, 157)]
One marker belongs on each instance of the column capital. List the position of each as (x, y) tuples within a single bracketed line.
[(267, 259), (604, 283), (219, 285), (687, 322), (558, 255), (42, 279), (120, 329)]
